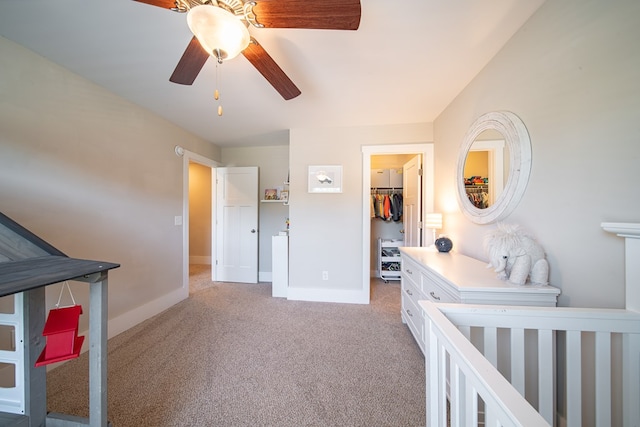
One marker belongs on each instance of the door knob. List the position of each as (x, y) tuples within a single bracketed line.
[(253, 230)]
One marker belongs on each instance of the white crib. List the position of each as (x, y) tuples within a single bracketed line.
[(531, 366)]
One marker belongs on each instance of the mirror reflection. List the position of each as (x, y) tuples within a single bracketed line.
[(506, 165), (486, 169)]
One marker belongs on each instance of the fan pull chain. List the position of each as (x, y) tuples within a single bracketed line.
[(216, 93)]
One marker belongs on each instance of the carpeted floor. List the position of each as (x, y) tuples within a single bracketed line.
[(231, 355)]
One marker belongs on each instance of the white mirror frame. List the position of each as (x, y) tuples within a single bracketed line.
[(517, 139)]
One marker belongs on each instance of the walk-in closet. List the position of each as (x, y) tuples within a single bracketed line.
[(387, 228)]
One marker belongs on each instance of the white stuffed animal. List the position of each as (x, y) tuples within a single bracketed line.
[(516, 256)]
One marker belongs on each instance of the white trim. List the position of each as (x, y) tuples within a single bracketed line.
[(427, 151), (631, 234), (131, 318), (265, 276), (329, 295), (622, 229), (141, 313)]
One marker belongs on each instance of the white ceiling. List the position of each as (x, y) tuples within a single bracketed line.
[(405, 64)]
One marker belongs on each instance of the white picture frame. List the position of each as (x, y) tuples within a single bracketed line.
[(325, 179)]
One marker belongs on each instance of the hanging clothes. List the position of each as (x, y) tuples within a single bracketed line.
[(386, 204), (479, 197), (396, 206), (387, 207)]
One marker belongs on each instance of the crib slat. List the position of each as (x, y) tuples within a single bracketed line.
[(630, 383), (491, 345), (546, 372), (574, 379), (603, 379), (454, 395), (432, 380), (466, 331), (490, 417), (442, 382), (471, 404), (517, 359)]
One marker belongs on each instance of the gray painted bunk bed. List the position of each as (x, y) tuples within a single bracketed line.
[(27, 265)]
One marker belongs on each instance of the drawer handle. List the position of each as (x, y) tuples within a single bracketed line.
[(433, 295), (409, 313), (408, 291), (409, 271)]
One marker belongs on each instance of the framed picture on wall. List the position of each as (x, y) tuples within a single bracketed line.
[(325, 179)]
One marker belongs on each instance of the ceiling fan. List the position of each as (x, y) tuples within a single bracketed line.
[(306, 14)]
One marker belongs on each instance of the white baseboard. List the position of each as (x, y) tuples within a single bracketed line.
[(265, 276), (131, 318), (328, 295), (200, 260)]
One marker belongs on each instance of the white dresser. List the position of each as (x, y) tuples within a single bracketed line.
[(451, 277)]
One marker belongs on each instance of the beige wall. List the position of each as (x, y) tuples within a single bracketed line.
[(95, 176), (326, 229), (199, 214), (571, 74)]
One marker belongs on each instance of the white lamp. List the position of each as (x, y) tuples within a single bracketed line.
[(219, 31), (433, 221)]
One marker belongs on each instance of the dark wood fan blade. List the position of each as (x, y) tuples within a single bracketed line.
[(165, 4), (190, 64), (264, 63), (320, 15)]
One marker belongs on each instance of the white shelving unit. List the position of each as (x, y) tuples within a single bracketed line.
[(389, 263), (279, 266), (280, 200)]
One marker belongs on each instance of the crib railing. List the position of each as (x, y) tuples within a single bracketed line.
[(531, 366)]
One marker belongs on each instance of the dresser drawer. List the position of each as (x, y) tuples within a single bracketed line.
[(412, 315), (410, 291), (435, 291), (411, 272)]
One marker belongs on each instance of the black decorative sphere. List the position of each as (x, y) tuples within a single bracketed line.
[(444, 244)]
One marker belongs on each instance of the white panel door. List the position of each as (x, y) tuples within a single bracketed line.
[(237, 224), (412, 201)]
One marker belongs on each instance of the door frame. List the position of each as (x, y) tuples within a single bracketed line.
[(191, 157), (428, 161)]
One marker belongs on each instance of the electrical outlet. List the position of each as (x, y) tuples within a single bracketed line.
[(325, 275)]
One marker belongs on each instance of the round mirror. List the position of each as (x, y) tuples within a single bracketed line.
[(493, 167)]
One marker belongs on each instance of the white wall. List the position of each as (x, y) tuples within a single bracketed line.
[(326, 229), (571, 74), (97, 177)]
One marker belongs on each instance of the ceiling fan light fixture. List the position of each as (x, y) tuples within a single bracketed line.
[(219, 31)]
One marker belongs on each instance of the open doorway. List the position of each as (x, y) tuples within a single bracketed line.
[(425, 150), (200, 226), (195, 169), (387, 220)]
